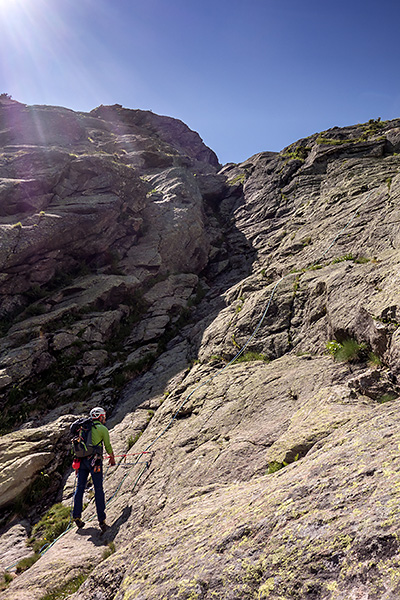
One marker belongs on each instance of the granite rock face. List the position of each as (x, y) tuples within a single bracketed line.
[(240, 326), (89, 221)]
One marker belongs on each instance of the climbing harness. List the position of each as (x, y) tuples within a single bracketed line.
[(96, 463)]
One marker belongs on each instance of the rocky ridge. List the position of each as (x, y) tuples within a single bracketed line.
[(278, 476)]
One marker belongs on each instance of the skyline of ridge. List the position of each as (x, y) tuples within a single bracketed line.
[(248, 77)]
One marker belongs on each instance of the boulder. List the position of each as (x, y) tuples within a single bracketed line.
[(25, 454)]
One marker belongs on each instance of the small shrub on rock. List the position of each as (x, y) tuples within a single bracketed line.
[(133, 439), (275, 466), (347, 351), (374, 360), (333, 347)]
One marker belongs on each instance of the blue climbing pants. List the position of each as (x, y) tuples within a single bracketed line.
[(83, 473)]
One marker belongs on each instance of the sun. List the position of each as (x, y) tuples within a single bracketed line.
[(24, 33), (9, 8), (4, 4), (15, 8)]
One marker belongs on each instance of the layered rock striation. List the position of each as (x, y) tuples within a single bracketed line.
[(240, 324)]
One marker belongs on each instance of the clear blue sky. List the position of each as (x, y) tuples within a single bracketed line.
[(248, 75)]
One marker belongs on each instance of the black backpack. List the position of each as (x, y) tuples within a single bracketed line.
[(81, 438)]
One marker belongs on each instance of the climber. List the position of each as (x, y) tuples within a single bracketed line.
[(93, 465)]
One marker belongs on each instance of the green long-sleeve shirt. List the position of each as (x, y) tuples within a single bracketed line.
[(101, 434)]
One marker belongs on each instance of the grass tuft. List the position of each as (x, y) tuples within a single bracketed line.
[(66, 590), (251, 356), (5, 582), (53, 523), (26, 563), (109, 550), (347, 351), (387, 398)]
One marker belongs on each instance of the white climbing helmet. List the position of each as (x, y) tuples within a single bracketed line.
[(96, 412)]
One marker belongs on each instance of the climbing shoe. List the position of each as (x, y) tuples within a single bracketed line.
[(103, 526), (79, 523)]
